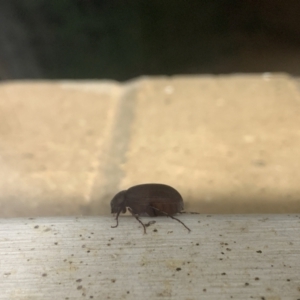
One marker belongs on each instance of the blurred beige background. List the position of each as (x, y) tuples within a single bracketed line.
[(229, 144)]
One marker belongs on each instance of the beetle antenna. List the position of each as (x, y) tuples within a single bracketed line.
[(117, 218), (137, 219), (168, 215)]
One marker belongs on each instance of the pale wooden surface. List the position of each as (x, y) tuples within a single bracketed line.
[(224, 257)]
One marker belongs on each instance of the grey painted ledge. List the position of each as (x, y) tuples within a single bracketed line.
[(224, 257)]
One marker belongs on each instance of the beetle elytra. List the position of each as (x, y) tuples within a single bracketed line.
[(152, 199)]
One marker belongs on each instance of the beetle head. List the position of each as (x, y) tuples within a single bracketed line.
[(118, 203)]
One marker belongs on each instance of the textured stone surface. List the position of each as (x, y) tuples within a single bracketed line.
[(227, 143), (52, 139)]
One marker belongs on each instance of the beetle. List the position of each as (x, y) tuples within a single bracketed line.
[(152, 199)]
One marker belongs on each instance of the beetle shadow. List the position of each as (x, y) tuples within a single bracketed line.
[(273, 204)]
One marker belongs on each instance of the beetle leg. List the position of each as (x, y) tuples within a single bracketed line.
[(168, 215), (136, 216), (117, 218), (150, 223)]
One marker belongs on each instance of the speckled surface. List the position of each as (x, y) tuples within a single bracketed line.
[(224, 257)]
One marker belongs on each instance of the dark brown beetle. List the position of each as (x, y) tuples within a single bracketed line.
[(152, 199)]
